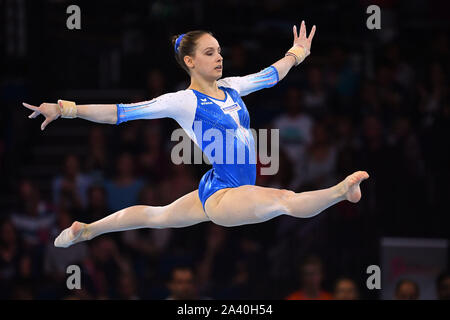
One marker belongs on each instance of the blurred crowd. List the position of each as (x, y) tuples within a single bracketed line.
[(387, 113)]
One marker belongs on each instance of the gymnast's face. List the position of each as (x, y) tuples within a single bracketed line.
[(207, 61)]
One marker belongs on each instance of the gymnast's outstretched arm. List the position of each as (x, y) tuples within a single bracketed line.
[(101, 113), (163, 106)]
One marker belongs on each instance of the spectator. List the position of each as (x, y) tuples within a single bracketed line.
[(10, 253), (123, 189), (315, 98), (239, 64), (321, 157), (443, 286), (97, 207), (213, 272), (391, 95), (369, 100), (403, 72), (239, 286), (128, 138), (180, 182), (376, 156), (341, 78), (311, 277), (33, 217), (146, 245), (346, 143), (97, 159), (408, 154), (152, 160), (148, 242), (156, 83), (26, 278), (70, 188), (295, 133), (282, 179), (182, 284), (102, 267), (127, 287), (22, 292), (432, 93), (406, 290), (345, 289)]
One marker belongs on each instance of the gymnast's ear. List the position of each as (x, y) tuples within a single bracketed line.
[(189, 62)]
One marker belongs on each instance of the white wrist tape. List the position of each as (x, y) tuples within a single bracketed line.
[(68, 109)]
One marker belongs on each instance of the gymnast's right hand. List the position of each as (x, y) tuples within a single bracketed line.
[(50, 111)]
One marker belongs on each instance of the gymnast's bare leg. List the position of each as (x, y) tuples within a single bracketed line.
[(253, 204), (183, 212), (227, 207)]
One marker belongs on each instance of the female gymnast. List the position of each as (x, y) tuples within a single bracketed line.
[(226, 194)]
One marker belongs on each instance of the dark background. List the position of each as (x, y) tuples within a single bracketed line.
[(378, 100)]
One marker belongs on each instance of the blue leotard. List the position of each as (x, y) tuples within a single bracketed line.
[(204, 119)]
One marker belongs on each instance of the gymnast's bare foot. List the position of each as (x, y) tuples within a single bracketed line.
[(350, 186), (71, 235)]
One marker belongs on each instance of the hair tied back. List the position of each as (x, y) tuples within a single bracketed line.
[(177, 42)]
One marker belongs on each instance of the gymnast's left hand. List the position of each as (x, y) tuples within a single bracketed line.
[(50, 111), (301, 39)]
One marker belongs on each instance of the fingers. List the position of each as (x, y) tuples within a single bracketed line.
[(311, 34), (34, 115), (45, 123), (302, 30), (302, 34), (29, 106)]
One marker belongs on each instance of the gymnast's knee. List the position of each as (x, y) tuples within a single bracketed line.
[(283, 198), (157, 217)]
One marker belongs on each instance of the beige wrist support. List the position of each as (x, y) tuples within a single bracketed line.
[(68, 109), (299, 53)]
